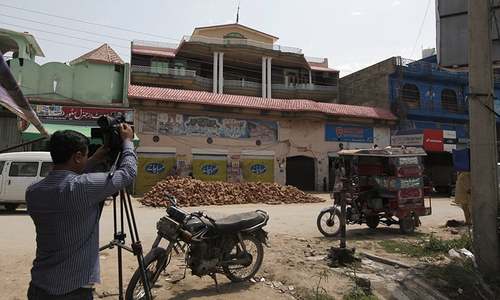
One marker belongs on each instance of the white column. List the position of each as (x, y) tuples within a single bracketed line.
[(221, 72), (269, 83), (310, 77), (264, 59), (214, 79)]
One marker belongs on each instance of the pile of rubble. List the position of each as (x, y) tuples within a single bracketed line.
[(192, 192)]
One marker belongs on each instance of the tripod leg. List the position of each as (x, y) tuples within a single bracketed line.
[(120, 274), (136, 244)]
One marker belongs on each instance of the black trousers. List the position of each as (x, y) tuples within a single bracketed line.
[(36, 293)]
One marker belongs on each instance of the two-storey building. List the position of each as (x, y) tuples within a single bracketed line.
[(228, 103), (64, 95), (431, 104)]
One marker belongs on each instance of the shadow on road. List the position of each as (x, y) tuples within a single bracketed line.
[(224, 289), (382, 233)]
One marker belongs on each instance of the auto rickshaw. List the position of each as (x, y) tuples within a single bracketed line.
[(379, 186)]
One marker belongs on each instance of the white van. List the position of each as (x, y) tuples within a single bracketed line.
[(18, 170)]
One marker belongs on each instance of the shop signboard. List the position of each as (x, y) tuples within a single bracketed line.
[(210, 169), (151, 170), (348, 133), (258, 169), (57, 112), (407, 140), (189, 125)]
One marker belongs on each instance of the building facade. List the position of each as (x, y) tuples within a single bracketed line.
[(234, 59), (230, 104), (65, 95), (430, 102), (21, 46)]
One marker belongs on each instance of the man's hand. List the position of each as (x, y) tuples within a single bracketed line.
[(100, 154), (126, 132)]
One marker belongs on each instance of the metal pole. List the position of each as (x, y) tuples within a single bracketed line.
[(483, 139), (342, 219), (23, 144)]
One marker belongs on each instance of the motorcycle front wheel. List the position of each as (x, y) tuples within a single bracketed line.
[(155, 262), (253, 250), (328, 222)]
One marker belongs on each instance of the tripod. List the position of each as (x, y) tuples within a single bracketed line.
[(119, 237)]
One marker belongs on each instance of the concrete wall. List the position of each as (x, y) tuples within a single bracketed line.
[(56, 78), (295, 138), (90, 83), (369, 86), (222, 31)]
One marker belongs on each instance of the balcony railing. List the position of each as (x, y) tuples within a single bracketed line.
[(304, 86), (154, 44), (428, 69), (317, 60), (164, 71), (177, 73), (242, 84), (245, 42)]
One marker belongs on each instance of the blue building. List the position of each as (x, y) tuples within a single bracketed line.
[(431, 104)]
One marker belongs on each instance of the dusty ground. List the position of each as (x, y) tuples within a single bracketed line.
[(292, 262)]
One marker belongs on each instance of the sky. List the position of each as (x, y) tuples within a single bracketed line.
[(352, 34)]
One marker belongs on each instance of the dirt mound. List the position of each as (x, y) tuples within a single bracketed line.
[(192, 192)]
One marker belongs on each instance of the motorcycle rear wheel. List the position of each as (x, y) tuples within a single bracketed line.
[(239, 273), (328, 222), (154, 262)]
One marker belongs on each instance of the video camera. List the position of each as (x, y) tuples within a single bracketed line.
[(109, 132)]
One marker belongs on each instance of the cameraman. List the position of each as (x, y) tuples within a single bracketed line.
[(65, 208)]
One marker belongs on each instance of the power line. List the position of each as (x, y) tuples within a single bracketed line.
[(63, 34), (421, 27), (66, 28), (87, 22), (71, 45)]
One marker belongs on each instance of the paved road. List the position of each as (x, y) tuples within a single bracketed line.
[(17, 233), (17, 237)]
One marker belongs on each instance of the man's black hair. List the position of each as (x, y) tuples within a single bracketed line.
[(64, 143)]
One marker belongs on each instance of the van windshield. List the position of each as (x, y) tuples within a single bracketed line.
[(2, 163)]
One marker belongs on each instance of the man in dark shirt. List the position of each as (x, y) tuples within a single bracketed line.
[(65, 210)]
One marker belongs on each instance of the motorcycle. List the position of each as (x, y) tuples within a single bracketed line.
[(232, 246)]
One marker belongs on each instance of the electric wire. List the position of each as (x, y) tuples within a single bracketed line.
[(87, 22), (421, 27), (65, 35), (66, 28)]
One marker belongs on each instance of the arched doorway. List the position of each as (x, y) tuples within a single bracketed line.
[(300, 172)]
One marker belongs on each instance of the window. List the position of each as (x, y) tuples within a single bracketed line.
[(23, 169), (411, 96), (449, 101), (2, 163), (46, 168)]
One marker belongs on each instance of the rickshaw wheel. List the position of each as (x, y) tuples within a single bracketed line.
[(372, 221), (407, 224)]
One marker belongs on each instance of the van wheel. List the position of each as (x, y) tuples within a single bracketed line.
[(11, 206)]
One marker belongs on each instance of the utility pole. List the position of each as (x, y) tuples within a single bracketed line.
[(483, 140)]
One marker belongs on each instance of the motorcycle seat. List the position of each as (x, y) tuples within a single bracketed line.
[(241, 221)]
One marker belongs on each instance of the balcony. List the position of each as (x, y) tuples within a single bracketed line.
[(421, 68), (169, 77), (240, 42), (163, 71), (243, 87), (304, 87)]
